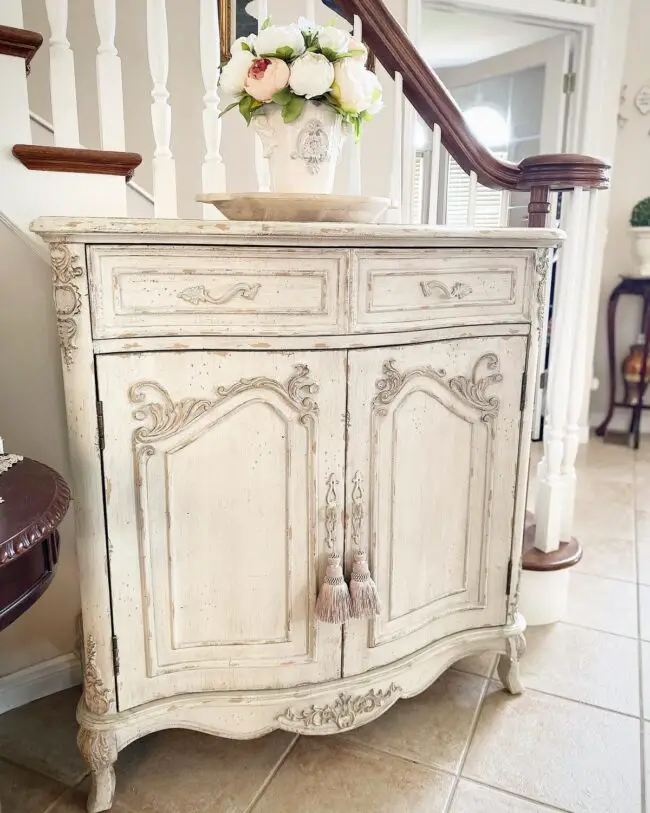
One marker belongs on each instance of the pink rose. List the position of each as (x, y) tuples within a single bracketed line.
[(266, 77)]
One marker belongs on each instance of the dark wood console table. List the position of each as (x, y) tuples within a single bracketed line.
[(633, 286), (34, 500)]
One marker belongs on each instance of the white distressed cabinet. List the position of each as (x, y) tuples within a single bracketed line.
[(245, 399)]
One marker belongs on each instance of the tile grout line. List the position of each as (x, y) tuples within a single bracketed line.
[(271, 775), (642, 753), (470, 736), (513, 795)]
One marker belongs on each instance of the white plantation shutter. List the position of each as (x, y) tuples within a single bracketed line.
[(489, 202)]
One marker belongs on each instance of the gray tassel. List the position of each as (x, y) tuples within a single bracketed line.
[(333, 605), (363, 590)]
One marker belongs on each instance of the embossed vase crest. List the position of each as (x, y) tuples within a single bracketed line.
[(302, 155)]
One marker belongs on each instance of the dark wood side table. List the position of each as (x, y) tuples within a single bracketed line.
[(34, 501), (633, 286)]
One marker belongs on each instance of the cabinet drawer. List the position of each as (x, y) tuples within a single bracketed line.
[(421, 289), (153, 291)]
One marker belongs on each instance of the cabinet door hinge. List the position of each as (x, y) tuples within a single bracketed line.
[(570, 82), (524, 385), (116, 656), (100, 425), (509, 578)]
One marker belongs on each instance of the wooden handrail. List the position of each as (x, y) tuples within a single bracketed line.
[(435, 105), (74, 159), (19, 42)]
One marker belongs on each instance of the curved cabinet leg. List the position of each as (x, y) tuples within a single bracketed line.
[(509, 664), (99, 750)]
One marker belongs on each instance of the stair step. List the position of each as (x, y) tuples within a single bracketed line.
[(73, 159), (569, 554), (19, 42)]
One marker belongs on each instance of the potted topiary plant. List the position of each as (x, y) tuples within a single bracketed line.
[(640, 222)]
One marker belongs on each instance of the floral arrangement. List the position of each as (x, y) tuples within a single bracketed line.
[(288, 65)]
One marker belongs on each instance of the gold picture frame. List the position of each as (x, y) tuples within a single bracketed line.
[(228, 30)]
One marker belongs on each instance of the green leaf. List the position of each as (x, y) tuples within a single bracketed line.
[(355, 52), (286, 52), (330, 54), (246, 107), (283, 97), (293, 110), (246, 47), (266, 23), (229, 108)]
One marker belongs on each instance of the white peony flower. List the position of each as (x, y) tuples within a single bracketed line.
[(355, 88), (235, 72), (311, 75), (307, 26), (357, 45), (237, 46), (276, 37), (333, 39)]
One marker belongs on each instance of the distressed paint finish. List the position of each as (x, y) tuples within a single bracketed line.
[(238, 382)]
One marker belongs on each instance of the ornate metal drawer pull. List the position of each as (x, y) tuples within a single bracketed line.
[(459, 290), (199, 294)]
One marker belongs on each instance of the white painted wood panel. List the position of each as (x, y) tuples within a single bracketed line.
[(396, 289), (434, 433), (177, 291), (216, 467)]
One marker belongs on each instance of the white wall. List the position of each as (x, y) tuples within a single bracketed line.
[(631, 182), (32, 423)]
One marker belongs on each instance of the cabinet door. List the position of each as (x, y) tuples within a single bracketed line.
[(433, 446), (216, 470)]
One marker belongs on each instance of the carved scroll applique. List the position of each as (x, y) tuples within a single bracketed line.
[(344, 711), (459, 290), (166, 418), (67, 299), (199, 294), (97, 696), (542, 268), (473, 391)]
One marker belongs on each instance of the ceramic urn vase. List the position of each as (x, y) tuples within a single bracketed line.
[(302, 155)]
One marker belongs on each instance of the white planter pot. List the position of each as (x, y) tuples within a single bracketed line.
[(302, 155), (641, 238)]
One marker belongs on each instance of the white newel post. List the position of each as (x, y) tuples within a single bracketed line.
[(213, 170), (164, 166), (544, 594), (62, 79), (109, 78), (581, 364)]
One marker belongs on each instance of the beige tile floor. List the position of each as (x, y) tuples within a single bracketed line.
[(573, 742)]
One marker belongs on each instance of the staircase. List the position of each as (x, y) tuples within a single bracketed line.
[(64, 179)]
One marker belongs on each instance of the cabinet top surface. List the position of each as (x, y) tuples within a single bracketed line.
[(126, 230)]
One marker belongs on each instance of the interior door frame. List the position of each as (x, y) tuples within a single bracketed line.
[(601, 30)]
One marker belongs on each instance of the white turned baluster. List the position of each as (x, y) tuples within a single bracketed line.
[(62, 80), (396, 169), (164, 166), (262, 167), (471, 201), (434, 184), (310, 10), (213, 170), (549, 510), (109, 79), (354, 185), (581, 365)]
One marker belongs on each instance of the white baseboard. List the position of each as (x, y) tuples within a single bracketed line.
[(38, 681)]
